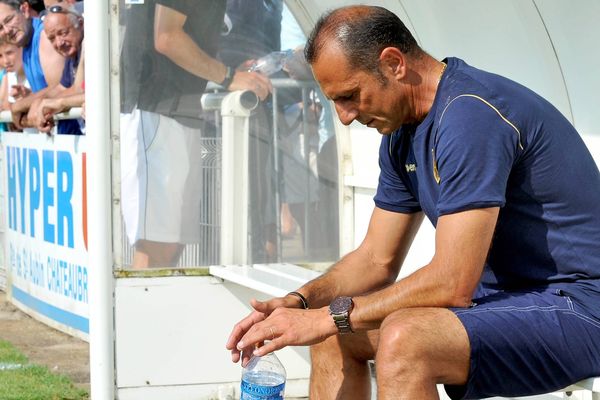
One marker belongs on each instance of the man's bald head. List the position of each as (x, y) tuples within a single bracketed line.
[(361, 32)]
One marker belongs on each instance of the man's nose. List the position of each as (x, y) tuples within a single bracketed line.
[(346, 114)]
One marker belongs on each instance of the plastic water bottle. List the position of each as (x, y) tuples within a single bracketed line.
[(263, 379), (271, 63)]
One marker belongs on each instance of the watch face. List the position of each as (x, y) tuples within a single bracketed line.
[(340, 305)]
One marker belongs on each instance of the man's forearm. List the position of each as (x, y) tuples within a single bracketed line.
[(73, 100), (353, 275), (373, 265)]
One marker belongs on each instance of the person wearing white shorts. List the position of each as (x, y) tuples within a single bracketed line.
[(161, 183), (162, 80)]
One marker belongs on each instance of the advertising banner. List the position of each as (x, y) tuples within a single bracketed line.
[(46, 227)]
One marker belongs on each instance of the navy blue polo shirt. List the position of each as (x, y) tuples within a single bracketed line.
[(488, 141)]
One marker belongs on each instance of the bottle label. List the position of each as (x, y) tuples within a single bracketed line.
[(252, 391)]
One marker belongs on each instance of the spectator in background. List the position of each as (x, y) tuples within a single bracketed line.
[(254, 30), (76, 5), (36, 6), (42, 64), (167, 59), (12, 74), (12, 63), (64, 29)]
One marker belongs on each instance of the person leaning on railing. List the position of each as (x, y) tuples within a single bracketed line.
[(168, 56), (42, 64), (63, 27)]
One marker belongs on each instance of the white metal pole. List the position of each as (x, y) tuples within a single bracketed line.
[(235, 111), (101, 281)]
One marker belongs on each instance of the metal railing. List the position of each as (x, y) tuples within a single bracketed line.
[(209, 251)]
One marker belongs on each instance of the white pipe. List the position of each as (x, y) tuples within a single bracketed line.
[(100, 262), (72, 113), (235, 112)]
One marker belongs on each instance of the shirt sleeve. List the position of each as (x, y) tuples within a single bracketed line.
[(392, 194), (475, 151), (183, 6)]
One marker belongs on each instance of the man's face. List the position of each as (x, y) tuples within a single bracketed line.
[(63, 34), (15, 27), (358, 95), (10, 57)]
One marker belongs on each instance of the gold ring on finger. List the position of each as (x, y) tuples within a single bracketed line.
[(272, 333)]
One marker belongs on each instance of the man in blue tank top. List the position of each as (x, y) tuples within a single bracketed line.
[(42, 64), (510, 303)]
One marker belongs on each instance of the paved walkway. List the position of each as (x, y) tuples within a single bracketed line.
[(43, 345)]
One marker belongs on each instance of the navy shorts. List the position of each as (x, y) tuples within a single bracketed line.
[(525, 343)]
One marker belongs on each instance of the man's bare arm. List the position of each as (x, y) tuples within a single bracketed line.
[(373, 265), (171, 40), (52, 62), (449, 280)]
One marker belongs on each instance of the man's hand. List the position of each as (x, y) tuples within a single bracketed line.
[(18, 91), (262, 309), (17, 112), (41, 113), (258, 83), (287, 327)]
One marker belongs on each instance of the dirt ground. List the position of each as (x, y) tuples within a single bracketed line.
[(43, 345)]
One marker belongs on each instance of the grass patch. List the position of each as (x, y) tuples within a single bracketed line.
[(21, 381)]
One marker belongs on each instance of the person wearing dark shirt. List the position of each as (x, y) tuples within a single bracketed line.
[(509, 305), (167, 58)]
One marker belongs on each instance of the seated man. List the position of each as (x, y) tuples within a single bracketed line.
[(510, 303)]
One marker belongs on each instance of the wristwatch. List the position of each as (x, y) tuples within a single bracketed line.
[(340, 309)]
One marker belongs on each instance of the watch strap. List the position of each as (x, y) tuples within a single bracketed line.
[(342, 321), (229, 74)]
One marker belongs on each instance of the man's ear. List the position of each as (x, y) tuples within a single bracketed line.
[(393, 61)]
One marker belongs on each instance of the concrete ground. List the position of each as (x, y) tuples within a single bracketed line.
[(43, 345)]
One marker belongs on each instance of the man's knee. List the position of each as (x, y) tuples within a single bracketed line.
[(399, 338), (424, 341)]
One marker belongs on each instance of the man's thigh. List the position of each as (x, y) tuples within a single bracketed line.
[(524, 343)]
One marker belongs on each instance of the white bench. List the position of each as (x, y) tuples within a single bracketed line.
[(590, 384), (279, 279)]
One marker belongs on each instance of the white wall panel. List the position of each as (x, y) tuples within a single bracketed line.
[(574, 29), (172, 331), (506, 37)]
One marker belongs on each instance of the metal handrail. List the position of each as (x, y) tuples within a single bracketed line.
[(73, 113)]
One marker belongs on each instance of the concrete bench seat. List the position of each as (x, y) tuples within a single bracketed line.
[(589, 384)]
